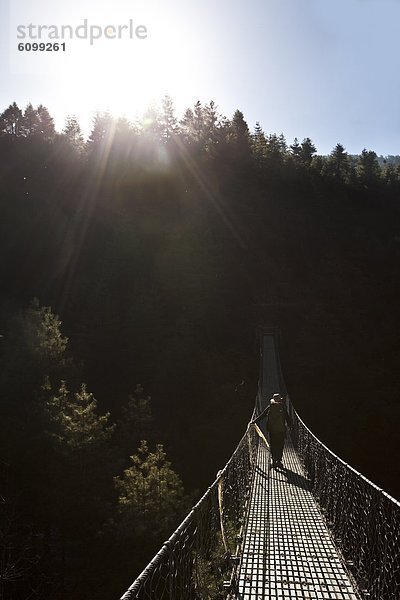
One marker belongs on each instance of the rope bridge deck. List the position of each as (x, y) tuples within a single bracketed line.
[(288, 551), (314, 530)]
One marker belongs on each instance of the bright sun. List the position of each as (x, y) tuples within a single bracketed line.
[(125, 74), (118, 71)]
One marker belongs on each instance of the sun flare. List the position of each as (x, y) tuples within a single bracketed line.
[(119, 60)]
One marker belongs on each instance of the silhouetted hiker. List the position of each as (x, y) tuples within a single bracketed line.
[(277, 417)]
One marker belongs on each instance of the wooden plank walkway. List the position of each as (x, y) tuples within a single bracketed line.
[(288, 551)]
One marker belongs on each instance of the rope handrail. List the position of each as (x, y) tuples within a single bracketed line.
[(197, 559), (363, 519), (344, 463)]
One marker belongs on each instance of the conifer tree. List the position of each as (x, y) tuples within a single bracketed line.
[(10, 120), (239, 126), (211, 125), (168, 121), (275, 149), (150, 491), (302, 154), (103, 129), (30, 124), (283, 143), (36, 354), (51, 342), (187, 125), (46, 123), (36, 358), (368, 169), (390, 175), (295, 151), (198, 122), (240, 137), (259, 144), (81, 436), (76, 423), (338, 164), (73, 133), (307, 151)]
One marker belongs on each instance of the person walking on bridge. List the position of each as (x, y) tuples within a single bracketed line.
[(277, 418)]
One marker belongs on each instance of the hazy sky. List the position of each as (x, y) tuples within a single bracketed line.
[(327, 69)]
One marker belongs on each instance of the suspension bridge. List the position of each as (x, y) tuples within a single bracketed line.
[(314, 530)]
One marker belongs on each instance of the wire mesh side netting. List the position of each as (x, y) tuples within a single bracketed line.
[(198, 559), (364, 520)]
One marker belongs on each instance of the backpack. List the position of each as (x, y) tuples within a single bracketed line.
[(276, 418)]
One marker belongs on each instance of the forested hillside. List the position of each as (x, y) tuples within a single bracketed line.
[(135, 269)]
